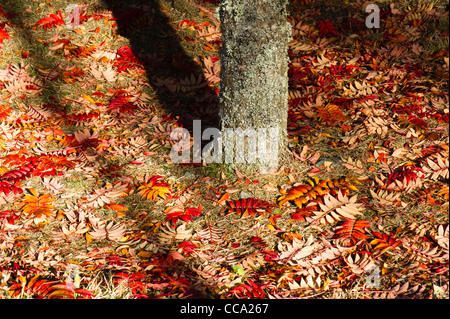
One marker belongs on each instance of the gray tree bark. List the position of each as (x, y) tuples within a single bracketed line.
[(253, 89)]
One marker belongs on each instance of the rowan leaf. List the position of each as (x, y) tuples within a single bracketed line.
[(351, 231), (337, 208), (185, 214), (153, 187), (50, 21), (250, 206), (38, 205)]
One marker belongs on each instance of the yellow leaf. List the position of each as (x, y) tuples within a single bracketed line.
[(60, 215), (270, 226), (22, 280), (77, 280), (3, 170), (88, 98), (88, 238), (33, 192)]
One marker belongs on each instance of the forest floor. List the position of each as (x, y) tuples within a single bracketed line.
[(91, 205)]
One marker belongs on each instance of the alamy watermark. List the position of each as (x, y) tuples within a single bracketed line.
[(73, 12), (72, 19), (232, 145), (73, 275), (373, 19), (373, 280)]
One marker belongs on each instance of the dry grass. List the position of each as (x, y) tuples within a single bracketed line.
[(146, 247)]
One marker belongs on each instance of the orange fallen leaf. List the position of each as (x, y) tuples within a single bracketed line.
[(117, 207), (223, 199)]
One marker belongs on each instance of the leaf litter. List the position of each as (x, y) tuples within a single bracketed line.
[(86, 180)]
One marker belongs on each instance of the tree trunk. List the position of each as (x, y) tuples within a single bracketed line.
[(253, 96)]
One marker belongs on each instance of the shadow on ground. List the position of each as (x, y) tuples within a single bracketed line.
[(155, 42)]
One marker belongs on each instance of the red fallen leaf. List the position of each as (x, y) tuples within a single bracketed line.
[(121, 276), (255, 239), (6, 187), (4, 112), (383, 241), (148, 153), (250, 206), (258, 242), (99, 94), (137, 162), (10, 216), (441, 270), (188, 247), (188, 23), (408, 172), (273, 219), (417, 122), (50, 21), (315, 171), (134, 281), (61, 291), (126, 59), (175, 213), (3, 33), (190, 39), (84, 293), (252, 290), (326, 27), (301, 215), (352, 230), (270, 255), (120, 104)]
